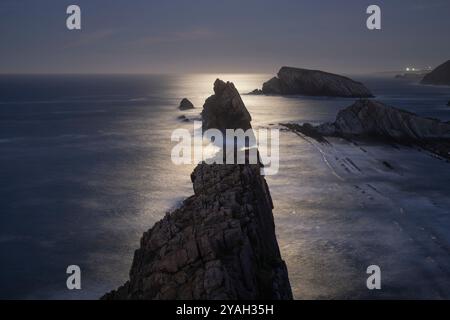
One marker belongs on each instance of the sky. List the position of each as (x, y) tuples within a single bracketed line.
[(210, 36)]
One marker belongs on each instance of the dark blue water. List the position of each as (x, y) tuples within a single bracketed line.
[(79, 178), (85, 166), (427, 101)]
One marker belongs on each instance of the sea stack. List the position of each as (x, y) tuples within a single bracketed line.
[(225, 109), (374, 120), (185, 104), (314, 83), (439, 76), (221, 243)]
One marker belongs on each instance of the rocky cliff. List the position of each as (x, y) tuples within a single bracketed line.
[(373, 119), (221, 243), (313, 83), (439, 76), (225, 109)]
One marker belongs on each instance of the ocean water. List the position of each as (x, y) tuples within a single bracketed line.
[(85, 169)]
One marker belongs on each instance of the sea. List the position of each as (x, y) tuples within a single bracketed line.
[(85, 169)]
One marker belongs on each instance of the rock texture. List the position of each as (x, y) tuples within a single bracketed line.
[(439, 76), (221, 243), (314, 83), (225, 109), (185, 104), (372, 119)]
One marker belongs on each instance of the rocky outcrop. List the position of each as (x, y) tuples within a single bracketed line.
[(221, 243), (185, 104), (314, 83), (374, 120), (225, 109), (183, 118), (256, 92), (439, 76)]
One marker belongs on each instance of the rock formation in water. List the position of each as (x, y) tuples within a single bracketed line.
[(221, 243), (185, 104), (372, 119), (314, 83), (256, 92), (183, 118), (439, 76), (225, 109)]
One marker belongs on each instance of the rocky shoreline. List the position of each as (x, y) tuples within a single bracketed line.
[(221, 242), (370, 119)]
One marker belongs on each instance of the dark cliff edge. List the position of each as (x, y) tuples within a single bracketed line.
[(221, 242), (370, 119), (299, 81), (439, 76)]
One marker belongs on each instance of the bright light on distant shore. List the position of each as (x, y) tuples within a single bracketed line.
[(412, 69)]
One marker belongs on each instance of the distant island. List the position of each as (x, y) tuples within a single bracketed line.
[(291, 81)]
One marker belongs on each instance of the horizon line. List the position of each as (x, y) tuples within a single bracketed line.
[(174, 73)]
